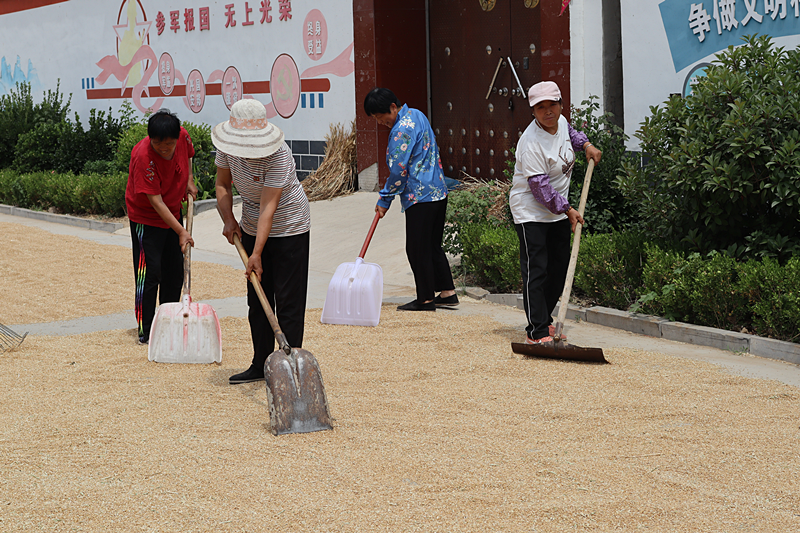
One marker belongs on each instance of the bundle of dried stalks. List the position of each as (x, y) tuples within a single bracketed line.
[(336, 174), (500, 205)]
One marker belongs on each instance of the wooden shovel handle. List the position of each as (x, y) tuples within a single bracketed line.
[(573, 259), (369, 235), (187, 255), (276, 328)]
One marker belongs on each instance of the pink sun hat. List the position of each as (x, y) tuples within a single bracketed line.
[(544, 90)]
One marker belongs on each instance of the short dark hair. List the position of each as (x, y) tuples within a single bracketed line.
[(164, 125), (380, 100)]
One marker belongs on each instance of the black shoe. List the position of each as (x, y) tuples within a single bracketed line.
[(450, 301), (249, 375), (416, 306), (144, 340)]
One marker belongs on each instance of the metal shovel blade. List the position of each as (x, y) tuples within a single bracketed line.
[(561, 350), (295, 393), (185, 333)]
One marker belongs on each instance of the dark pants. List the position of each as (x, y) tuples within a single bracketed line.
[(285, 282), (543, 261), (157, 270), (424, 231)]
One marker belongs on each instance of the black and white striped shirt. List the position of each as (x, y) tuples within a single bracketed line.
[(250, 176)]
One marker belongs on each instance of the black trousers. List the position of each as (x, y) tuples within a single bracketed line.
[(285, 283), (543, 261), (424, 232), (157, 271)]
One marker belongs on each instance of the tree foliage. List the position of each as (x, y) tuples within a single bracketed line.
[(725, 161), (607, 209)]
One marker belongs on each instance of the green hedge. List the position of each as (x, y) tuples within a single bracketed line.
[(610, 268), (714, 290), (65, 192), (492, 253)]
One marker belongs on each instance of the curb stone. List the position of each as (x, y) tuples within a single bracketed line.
[(474, 292), (88, 223), (68, 220), (775, 349), (614, 318), (659, 327), (201, 206), (706, 336)]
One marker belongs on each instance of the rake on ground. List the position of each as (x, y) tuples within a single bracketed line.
[(10, 339)]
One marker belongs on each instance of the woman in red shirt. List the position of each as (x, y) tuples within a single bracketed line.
[(159, 179)]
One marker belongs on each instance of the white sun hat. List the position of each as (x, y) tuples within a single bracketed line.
[(247, 133)]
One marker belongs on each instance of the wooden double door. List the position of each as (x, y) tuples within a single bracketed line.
[(484, 55)]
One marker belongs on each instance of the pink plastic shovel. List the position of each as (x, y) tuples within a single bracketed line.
[(185, 331)]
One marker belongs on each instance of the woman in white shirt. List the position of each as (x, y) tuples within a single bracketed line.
[(543, 218)]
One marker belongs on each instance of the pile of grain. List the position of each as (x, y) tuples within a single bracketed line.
[(438, 427), (46, 277), (337, 173)]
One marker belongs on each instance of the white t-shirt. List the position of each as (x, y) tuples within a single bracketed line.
[(250, 176), (539, 152)]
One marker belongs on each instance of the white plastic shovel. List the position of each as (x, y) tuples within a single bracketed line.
[(185, 331), (356, 291)]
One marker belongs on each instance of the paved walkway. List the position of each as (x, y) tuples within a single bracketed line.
[(339, 228)]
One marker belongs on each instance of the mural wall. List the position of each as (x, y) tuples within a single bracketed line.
[(666, 43), (195, 57)]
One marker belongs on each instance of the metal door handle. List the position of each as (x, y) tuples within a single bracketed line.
[(491, 85), (522, 89)]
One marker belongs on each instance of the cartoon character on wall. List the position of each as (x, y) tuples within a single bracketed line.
[(130, 43), (135, 64)]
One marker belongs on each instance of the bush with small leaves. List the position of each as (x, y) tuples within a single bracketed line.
[(773, 292), (607, 209), (610, 268), (724, 170)]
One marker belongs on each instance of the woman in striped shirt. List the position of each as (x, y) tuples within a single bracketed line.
[(274, 230)]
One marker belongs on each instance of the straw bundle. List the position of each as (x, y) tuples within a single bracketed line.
[(336, 174)]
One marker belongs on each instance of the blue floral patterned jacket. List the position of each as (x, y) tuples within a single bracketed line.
[(415, 170)]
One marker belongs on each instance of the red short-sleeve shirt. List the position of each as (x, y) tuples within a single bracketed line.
[(149, 173)]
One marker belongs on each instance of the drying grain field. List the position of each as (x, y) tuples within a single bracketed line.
[(438, 428)]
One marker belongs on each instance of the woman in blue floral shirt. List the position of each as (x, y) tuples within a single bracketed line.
[(416, 176)]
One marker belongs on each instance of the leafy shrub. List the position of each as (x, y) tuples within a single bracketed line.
[(772, 291), (480, 203), (725, 160), (41, 148), (607, 209), (18, 115), (666, 282), (65, 146), (127, 140), (105, 168), (65, 192), (110, 194), (492, 253), (203, 167), (610, 267), (715, 294)]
